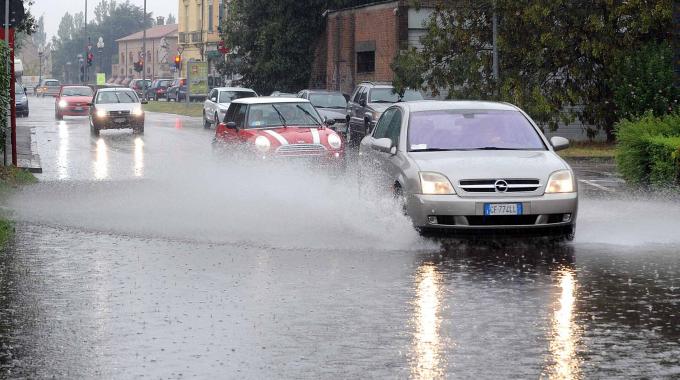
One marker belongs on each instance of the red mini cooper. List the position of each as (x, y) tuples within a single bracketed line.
[(280, 128), (72, 100)]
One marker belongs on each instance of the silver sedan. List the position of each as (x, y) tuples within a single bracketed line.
[(472, 166)]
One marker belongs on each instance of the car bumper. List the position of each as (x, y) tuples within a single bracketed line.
[(452, 212), (74, 111), (128, 122), (21, 107)]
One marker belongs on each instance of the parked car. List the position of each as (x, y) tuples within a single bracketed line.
[(20, 100), (49, 87), (330, 104), (472, 166), (140, 86), (217, 103), (72, 100), (116, 108), (215, 81), (279, 128), (158, 89), (173, 91), (367, 103), (283, 94)]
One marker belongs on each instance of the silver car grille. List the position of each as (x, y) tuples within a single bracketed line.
[(301, 150), (499, 185), (119, 113)]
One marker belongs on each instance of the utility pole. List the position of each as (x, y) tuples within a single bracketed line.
[(144, 53), (496, 75), (87, 52)]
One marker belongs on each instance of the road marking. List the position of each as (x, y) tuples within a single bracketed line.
[(595, 185)]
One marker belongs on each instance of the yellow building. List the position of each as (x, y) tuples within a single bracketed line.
[(198, 31)]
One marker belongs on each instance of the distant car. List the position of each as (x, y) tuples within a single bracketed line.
[(472, 167), (330, 104), (48, 87), (280, 128), (367, 103), (20, 100), (158, 89), (173, 91), (140, 86), (283, 94), (217, 103), (72, 100), (116, 108)]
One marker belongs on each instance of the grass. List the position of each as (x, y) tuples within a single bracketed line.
[(589, 150), (191, 109), (10, 178)]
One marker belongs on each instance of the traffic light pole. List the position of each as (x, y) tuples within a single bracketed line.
[(144, 54), (87, 52)]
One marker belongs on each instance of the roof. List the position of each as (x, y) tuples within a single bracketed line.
[(115, 89), (269, 99), (435, 105), (233, 89), (323, 92), (153, 32)]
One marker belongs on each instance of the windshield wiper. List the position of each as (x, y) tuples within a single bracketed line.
[(309, 114), (432, 150), (283, 120), (493, 148)]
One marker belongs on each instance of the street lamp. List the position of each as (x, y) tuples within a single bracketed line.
[(41, 51), (100, 49)]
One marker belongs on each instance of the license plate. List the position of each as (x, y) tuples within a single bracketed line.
[(119, 120), (502, 209), (78, 109)]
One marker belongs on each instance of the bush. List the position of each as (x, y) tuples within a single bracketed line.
[(664, 160), (635, 141)]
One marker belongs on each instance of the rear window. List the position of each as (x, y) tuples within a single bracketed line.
[(52, 83), (229, 96), (472, 130), (387, 95)]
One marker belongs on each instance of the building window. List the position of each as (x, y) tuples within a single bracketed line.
[(199, 17), (366, 62), (210, 17), (122, 58), (186, 18), (122, 71), (131, 56)]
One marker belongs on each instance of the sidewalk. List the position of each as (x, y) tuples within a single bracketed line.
[(27, 150)]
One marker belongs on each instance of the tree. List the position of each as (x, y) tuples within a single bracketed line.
[(556, 57), (171, 19)]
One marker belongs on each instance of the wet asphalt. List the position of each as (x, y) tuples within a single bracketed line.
[(153, 257)]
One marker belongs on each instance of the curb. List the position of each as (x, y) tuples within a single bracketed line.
[(33, 164)]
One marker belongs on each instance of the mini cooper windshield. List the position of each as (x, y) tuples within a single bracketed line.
[(471, 130), (274, 115)]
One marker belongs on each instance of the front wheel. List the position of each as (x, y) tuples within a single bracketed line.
[(94, 130), (206, 122), (138, 131)]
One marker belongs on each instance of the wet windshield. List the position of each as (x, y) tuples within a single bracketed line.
[(124, 96), (471, 130), (328, 100), (76, 91), (282, 114), (387, 95), (229, 96)]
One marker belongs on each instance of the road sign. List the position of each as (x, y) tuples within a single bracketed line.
[(198, 78), (101, 79)]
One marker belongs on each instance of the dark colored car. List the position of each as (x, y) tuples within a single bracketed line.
[(368, 101), (330, 105), (158, 89), (176, 90), (21, 100), (116, 108), (140, 86)]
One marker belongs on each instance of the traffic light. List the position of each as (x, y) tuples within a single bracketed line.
[(90, 58), (178, 62)]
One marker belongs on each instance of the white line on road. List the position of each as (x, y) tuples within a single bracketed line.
[(595, 185)]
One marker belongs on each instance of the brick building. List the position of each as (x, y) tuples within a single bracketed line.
[(161, 46), (360, 43)]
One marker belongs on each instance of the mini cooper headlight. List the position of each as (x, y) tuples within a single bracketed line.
[(102, 113), (262, 144), (561, 181), (62, 103), (137, 112), (334, 141), (435, 183)]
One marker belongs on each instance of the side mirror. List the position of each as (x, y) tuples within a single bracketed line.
[(144, 101), (362, 102), (90, 104), (383, 145), (559, 143), (231, 125), (213, 100), (25, 92), (328, 121)]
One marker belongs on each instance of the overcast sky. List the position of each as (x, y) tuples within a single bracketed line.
[(53, 10)]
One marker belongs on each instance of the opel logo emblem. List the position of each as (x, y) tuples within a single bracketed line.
[(501, 186)]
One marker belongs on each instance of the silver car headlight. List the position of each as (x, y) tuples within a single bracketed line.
[(334, 141), (435, 184), (138, 111), (262, 144), (561, 181)]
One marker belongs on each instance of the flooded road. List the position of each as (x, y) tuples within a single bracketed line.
[(153, 257)]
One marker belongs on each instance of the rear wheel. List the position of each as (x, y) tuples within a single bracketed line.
[(216, 120), (138, 130), (177, 97)]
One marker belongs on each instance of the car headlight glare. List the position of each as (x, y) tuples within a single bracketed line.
[(334, 141), (262, 144), (435, 184), (561, 182), (102, 113), (62, 103), (137, 112)]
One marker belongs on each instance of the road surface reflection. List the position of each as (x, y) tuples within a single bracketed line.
[(428, 361)]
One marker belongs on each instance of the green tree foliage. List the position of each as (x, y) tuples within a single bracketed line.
[(171, 19), (554, 55), (275, 40), (112, 21)]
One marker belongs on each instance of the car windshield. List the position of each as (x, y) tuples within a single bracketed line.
[(107, 97), (387, 95), (76, 91), (328, 100), (164, 83), (18, 89), (229, 96), (471, 130), (282, 114)]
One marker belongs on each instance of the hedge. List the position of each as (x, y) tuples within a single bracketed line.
[(4, 93), (647, 149)]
